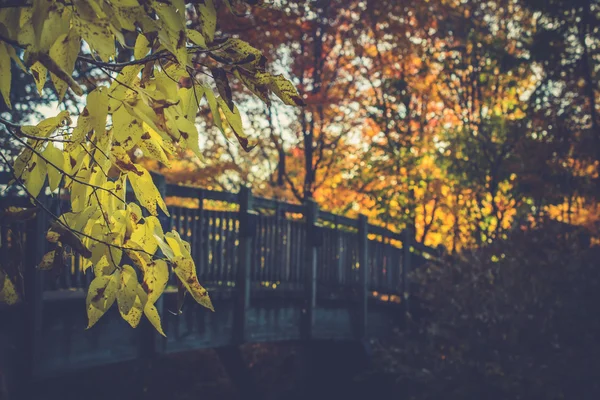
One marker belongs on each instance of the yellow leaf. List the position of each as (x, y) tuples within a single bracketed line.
[(190, 101), (196, 38), (173, 35), (120, 86), (151, 146), (234, 119), (156, 277), (16, 59), (70, 238), (52, 236), (10, 17), (56, 23), (134, 215), (214, 107), (286, 91), (101, 295), (8, 291), (143, 235), (57, 70), (260, 90), (121, 159), (134, 315), (5, 75), (145, 190), (47, 261), (142, 47), (185, 269), (54, 157), (143, 112), (96, 32), (103, 267), (179, 246), (238, 51), (222, 82), (80, 191), (138, 257), (24, 27), (34, 176), (208, 19), (40, 73), (85, 124), (159, 236), (170, 15), (81, 219), (127, 289), (152, 314), (21, 163), (127, 129), (97, 105), (48, 126), (64, 52)]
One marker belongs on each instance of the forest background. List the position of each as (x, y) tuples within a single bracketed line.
[(475, 122)]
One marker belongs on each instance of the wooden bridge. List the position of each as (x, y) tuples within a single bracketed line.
[(275, 272)]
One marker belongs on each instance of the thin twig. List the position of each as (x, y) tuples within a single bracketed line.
[(57, 219), (61, 169)]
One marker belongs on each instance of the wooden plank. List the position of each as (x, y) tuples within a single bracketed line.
[(194, 193), (260, 202), (330, 217)]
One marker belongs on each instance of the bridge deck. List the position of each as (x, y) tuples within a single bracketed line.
[(66, 345)]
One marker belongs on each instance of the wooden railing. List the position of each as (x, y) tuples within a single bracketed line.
[(290, 247), (281, 236)]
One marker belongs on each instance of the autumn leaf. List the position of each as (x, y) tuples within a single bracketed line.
[(220, 77), (185, 269), (102, 293)]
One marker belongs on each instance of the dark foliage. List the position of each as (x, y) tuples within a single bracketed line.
[(517, 320)]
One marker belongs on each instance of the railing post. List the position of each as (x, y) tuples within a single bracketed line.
[(35, 242), (338, 244), (407, 241), (310, 283), (242, 284), (363, 262)]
